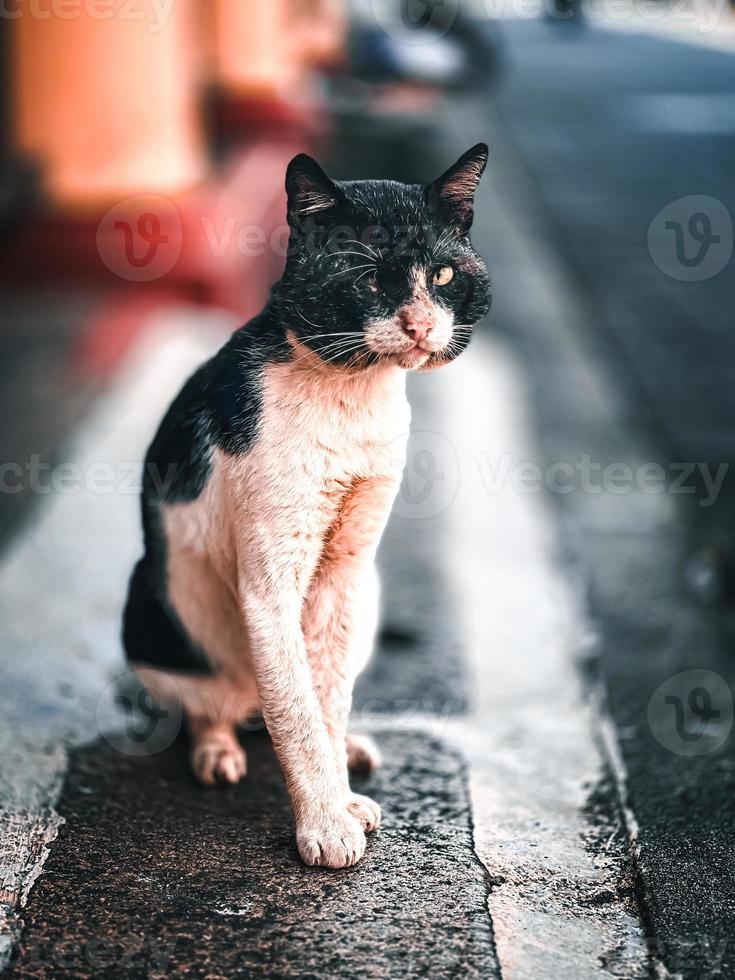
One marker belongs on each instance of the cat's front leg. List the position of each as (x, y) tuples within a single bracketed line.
[(278, 547), (340, 617), (326, 832)]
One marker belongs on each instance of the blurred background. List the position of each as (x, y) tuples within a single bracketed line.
[(143, 145)]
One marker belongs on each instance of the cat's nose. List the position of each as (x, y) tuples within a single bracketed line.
[(417, 328)]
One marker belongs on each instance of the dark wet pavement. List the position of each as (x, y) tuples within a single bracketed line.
[(152, 876)]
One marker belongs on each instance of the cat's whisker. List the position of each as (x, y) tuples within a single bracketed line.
[(333, 357), (442, 241), (362, 274), (334, 347), (350, 251), (370, 248), (347, 334), (352, 268), (306, 320)]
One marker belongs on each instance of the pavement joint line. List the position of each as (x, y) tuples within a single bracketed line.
[(610, 749)]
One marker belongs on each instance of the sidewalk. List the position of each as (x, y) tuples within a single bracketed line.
[(149, 871), (492, 787)]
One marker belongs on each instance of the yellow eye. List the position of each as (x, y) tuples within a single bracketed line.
[(443, 275)]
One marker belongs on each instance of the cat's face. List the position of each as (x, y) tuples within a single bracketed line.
[(382, 271)]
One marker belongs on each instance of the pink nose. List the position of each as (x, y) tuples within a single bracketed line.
[(416, 329)]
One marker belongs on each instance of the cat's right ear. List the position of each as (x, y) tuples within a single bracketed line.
[(310, 192), (452, 194)]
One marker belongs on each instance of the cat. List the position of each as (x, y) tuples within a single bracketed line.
[(269, 482)]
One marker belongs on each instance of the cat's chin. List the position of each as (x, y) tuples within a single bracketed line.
[(412, 360)]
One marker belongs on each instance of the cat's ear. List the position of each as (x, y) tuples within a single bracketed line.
[(453, 194), (309, 190)]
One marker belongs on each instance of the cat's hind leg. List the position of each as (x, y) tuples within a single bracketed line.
[(216, 755), (362, 753), (215, 691), (212, 706)]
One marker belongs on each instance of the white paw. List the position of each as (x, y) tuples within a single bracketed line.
[(365, 810), (218, 759), (362, 753), (331, 840)]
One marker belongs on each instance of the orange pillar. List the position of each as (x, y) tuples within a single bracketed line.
[(251, 41), (105, 97), (263, 47)]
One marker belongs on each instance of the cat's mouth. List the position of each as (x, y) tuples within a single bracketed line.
[(415, 355)]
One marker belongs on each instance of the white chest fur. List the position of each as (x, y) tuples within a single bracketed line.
[(319, 432), (334, 424)]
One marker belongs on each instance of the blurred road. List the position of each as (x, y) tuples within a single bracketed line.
[(613, 129), (630, 362), (547, 811)]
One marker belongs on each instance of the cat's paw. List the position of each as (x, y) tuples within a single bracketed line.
[(331, 840), (218, 758), (365, 810), (362, 753)]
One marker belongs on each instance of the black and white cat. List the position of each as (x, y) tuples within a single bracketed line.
[(257, 591)]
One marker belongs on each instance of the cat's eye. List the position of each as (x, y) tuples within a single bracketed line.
[(443, 275)]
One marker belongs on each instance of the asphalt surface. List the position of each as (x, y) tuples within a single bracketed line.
[(614, 128), (44, 389), (152, 876)]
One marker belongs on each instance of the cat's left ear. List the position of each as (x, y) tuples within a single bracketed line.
[(309, 190), (453, 194)]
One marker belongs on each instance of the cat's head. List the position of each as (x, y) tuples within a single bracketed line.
[(383, 271)]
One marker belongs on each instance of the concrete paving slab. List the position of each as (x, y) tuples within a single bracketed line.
[(151, 874)]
